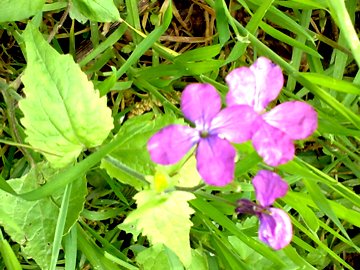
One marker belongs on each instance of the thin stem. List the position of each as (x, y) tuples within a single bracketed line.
[(10, 111), (191, 189), (215, 198)]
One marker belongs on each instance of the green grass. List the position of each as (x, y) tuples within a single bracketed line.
[(139, 73)]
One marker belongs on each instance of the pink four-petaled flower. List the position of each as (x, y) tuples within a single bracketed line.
[(257, 86), (214, 130), (250, 91)]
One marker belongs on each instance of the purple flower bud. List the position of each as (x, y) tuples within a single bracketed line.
[(244, 206), (275, 227)]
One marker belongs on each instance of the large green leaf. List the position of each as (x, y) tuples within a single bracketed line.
[(32, 223), (63, 113), (96, 10), (165, 219), (20, 9), (158, 257), (131, 156)]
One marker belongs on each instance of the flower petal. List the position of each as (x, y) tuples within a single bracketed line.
[(297, 119), (268, 187), (200, 102), (215, 160), (171, 143), (256, 86), (236, 123), (269, 81), (242, 87), (273, 145), (275, 229)]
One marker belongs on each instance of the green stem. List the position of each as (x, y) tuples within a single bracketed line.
[(68, 175)]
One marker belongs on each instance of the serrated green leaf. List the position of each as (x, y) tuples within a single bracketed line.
[(131, 155), (97, 10), (20, 9), (63, 113), (158, 257), (32, 223), (165, 219)]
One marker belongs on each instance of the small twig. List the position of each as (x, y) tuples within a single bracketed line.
[(58, 25), (186, 39), (178, 17)]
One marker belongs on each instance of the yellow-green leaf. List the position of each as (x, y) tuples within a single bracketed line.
[(165, 219), (20, 9), (63, 114)]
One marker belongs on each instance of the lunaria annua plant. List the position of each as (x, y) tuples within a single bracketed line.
[(272, 132)]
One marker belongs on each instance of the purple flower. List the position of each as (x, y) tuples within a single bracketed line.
[(275, 225), (213, 132), (257, 86)]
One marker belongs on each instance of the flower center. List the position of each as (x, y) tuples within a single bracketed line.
[(204, 134)]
